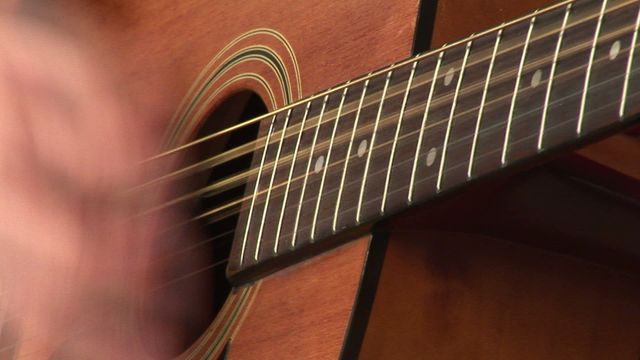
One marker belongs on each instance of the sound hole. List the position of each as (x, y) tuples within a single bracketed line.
[(197, 287)]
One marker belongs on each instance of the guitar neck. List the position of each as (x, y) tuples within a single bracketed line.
[(409, 132)]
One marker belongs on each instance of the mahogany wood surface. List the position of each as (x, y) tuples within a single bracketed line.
[(456, 19), (303, 312), (619, 152), (163, 45), (468, 131), (441, 296), (448, 295), (454, 296), (175, 40)]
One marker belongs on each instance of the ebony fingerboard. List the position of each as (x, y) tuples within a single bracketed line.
[(405, 134)]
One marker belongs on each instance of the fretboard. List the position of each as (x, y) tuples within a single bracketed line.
[(405, 134)]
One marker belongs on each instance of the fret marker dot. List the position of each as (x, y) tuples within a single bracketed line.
[(362, 148), (319, 164), (431, 156), (536, 78), (615, 50), (448, 77)]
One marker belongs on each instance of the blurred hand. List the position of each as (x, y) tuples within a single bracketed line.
[(74, 261)]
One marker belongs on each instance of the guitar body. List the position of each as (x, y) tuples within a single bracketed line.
[(474, 275)]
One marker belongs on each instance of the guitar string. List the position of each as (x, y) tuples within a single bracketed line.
[(221, 262), (467, 139), (448, 170), (531, 15), (387, 144), (293, 130), (393, 67), (635, 71), (211, 266), (364, 77), (1, 349), (194, 246), (240, 178), (463, 163), (495, 151)]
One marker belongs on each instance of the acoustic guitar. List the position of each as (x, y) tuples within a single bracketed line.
[(454, 196)]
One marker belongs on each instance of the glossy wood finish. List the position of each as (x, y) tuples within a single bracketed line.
[(433, 123), (440, 294), (304, 311), (161, 47), (493, 282), (453, 296), (456, 19), (571, 293), (619, 152), (175, 40)]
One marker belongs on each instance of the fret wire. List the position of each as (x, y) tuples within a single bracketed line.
[(396, 190), (552, 73), (365, 77), (326, 166), (423, 180), (612, 35), (451, 114), (505, 146), (462, 93), (631, 27), (238, 202), (507, 50), (415, 133), (419, 56), (437, 123), (395, 138), (583, 101), (400, 189), (422, 127), (632, 47), (435, 100), (346, 162), (371, 146), (268, 195), (306, 174), (443, 99), (495, 150), (286, 192), (255, 191), (482, 104)]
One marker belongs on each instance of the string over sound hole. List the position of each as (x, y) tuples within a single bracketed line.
[(195, 286)]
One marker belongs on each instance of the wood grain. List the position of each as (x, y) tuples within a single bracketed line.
[(453, 296), (303, 312), (456, 19), (160, 47), (441, 295), (619, 152), (164, 45), (175, 40), (463, 142)]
